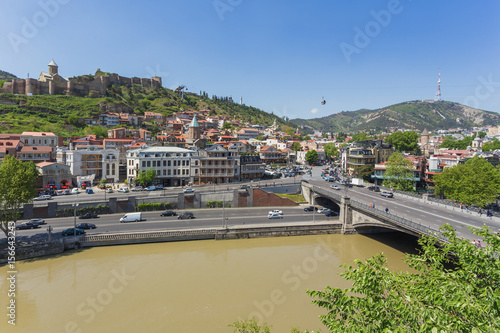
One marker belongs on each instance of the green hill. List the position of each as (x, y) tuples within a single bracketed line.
[(62, 114), (416, 114), (6, 75)]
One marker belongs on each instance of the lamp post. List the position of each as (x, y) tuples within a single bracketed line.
[(74, 214)]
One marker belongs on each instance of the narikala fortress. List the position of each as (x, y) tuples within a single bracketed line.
[(52, 83)]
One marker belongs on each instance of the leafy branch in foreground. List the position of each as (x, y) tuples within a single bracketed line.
[(454, 289)]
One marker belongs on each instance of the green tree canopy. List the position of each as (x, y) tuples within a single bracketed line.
[(452, 289), (296, 146), (365, 172), (312, 156), (481, 134), (404, 141), (146, 177), (492, 145), (362, 136), (18, 182), (458, 144), (399, 173), (341, 137), (476, 182), (330, 150), (227, 125)]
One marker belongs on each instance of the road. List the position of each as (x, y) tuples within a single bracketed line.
[(204, 218), (426, 214)]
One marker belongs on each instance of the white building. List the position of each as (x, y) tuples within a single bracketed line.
[(103, 163), (171, 164)]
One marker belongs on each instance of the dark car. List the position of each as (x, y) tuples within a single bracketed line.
[(310, 209), (86, 226), (168, 213), (374, 188), (89, 216), (331, 213), (27, 225), (186, 215), (71, 232)]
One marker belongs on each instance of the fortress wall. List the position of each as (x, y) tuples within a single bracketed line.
[(19, 86), (135, 80), (7, 88), (31, 86), (43, 88)]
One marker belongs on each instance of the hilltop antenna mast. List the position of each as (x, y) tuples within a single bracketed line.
[(438, 92)]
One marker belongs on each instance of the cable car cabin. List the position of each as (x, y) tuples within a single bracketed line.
[(323, 102)]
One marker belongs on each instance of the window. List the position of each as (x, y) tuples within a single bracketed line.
[(168, 163), (143, 164)]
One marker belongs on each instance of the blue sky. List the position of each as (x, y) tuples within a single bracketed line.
[(280, 56)]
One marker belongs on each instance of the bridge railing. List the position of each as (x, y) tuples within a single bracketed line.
[(150, 234), (401, 221), (328, 193)]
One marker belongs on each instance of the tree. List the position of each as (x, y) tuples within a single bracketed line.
[(476, 182), (340, 137), (365, 172), (146, 177), (454, 288), (399, 173), (404, 141), (311, 156), (296, 146), (460, 144), (18, 182), (306, 138), (330, 150), (481, 134), (362, 136), (493, 145), (250, 326), (227, 125)]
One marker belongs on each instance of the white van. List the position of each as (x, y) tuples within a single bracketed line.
[(132, 217), (75, 190)]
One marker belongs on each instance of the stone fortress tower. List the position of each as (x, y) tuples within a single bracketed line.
[(51, 83)]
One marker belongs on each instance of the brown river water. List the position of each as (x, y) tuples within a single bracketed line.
[(195, 286)]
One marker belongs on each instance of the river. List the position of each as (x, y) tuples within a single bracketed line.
[(195, 286)]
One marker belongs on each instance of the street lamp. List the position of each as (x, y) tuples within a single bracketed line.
[(74, 206)]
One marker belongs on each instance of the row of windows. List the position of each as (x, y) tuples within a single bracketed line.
[(154, 164), (169, 172)]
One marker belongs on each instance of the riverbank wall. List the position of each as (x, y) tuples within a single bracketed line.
[(256, 231)]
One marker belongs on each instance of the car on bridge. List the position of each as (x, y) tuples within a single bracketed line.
[(38, 221), (331, 213), (387, 194), (276, 211), (335, 187), (71, 232), (27, 225), (310, 208), (43, 197), (188, 190), (272, 215), (168, 213), (86, 226), (185, 215), (374, 188), (323, 210)]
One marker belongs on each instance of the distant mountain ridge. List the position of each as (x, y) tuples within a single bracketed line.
[(413, 114)]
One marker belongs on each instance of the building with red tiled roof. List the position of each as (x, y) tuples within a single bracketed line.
[(36, 154)]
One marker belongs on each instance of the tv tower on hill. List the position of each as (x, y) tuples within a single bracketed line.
[(438, 92)]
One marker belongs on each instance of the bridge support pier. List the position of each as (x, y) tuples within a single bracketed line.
[(346, 216)]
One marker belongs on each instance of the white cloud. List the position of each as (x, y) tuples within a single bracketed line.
[(314, 111)]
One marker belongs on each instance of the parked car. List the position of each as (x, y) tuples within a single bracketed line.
[(89, 191), (323, 210), (75, 190), (159, 187), (71, 232), (188, 190), (276, 211), (27, 225), (168, 213), (122, 190), (310, 209), (137, 188), (38, 221), (86, 226), (109, 190), (387, 194), (186, 215), (150, 188), (374, 188), (88, 216), (244, 187), (331, 213), (43, 197), (335, 187), (272, 215), (67, 191)]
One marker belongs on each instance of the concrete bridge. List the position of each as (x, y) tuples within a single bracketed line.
[(358, 217)]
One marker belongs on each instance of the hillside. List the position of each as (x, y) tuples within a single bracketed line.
[(61, 114), (6, 75), (416, 114)]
